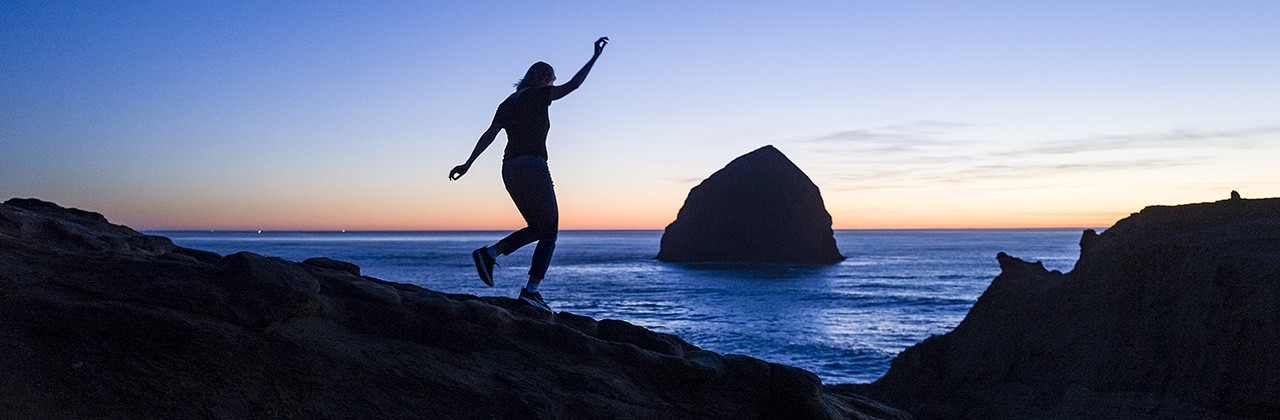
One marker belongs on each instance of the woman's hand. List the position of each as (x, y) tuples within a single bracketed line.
[(600, 43), (459, 171)]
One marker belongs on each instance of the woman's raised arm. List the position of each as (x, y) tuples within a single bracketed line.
[(558, 92)]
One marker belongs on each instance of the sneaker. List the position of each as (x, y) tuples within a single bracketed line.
[(484, 264), (535, 299)]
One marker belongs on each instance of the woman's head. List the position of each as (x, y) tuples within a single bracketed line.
[(539, 74)]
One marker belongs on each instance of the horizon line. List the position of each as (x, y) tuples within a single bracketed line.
[(582, 230)]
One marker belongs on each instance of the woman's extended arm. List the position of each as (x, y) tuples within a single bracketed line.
[(558, 92), (485, 140)]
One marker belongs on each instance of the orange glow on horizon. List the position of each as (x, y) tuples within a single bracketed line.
[(409, 221), (606, 209)]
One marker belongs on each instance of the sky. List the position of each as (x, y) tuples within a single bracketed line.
[(914, 114)]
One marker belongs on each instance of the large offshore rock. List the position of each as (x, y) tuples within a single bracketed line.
[(1174, 312), (759, 208), (100, 321)]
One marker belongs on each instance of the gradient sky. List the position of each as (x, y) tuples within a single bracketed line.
[(318, 115)]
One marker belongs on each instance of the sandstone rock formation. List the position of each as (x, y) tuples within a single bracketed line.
[(760, 208), (1174, 312), (100, 321)]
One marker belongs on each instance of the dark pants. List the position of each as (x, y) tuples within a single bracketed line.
[(529, 182)]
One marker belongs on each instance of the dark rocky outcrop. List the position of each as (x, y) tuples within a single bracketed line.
[(758, 208), (1174, 312), (100, 321)]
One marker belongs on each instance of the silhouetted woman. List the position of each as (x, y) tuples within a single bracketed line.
[(524, 171)]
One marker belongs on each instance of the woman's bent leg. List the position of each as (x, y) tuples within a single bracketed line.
[(515, 241), (528, 181)]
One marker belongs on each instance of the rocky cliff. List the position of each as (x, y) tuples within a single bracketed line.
[(1174, 312), (100, 321), (758, 208)]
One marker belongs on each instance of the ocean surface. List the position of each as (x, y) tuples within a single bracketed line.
[(844, 322)]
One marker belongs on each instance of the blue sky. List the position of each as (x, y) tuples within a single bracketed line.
[(326, 115)]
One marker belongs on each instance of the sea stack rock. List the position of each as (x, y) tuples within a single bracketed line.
[(759, 208)]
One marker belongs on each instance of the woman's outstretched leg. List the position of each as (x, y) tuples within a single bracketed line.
[(528, 181)]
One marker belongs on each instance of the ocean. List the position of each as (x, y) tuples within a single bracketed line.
[(844, 322)]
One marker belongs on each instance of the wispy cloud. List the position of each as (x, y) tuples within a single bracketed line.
[(928, 153), (1242, 138), (926, 126), (901, 137), (983, 171)]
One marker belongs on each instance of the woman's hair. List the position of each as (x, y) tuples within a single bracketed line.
[(537, 73)]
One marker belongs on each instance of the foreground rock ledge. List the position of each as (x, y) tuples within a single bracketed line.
[(1173, 312), (759, 208), (98, 320)]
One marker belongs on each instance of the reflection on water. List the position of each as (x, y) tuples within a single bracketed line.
[(843, 322)]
